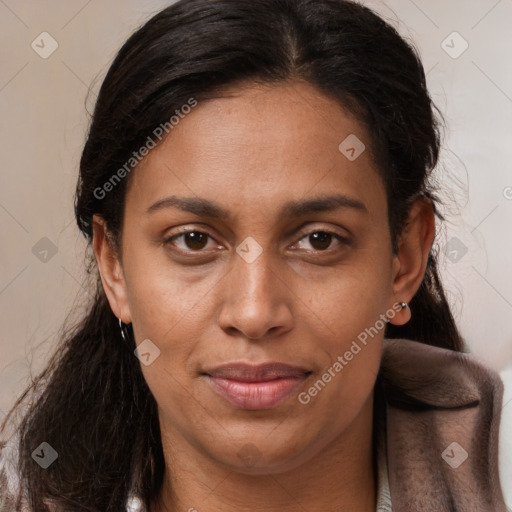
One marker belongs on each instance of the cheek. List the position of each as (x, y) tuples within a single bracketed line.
[(164, 298), (351, 307), (350, 299), (171, 307), (170, 314), (356, 330), (349, 345)]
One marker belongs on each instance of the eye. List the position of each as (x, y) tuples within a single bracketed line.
[(321, 240), (192, 240)]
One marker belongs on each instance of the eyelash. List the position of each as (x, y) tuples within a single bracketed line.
[(342, 239)]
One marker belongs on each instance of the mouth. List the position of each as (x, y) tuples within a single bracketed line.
[(256, 387)]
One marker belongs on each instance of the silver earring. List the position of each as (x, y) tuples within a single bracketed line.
[(404, 305), (124, 330)]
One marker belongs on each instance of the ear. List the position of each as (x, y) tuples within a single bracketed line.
[(111, 271), (410, 262)]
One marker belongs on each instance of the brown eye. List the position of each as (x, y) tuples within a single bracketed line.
[(191, 240), (195, 240), (321, 240)]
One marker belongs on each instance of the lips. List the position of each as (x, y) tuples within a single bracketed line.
[(256, 387)]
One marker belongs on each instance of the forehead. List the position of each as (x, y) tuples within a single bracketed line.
[(261, 146)]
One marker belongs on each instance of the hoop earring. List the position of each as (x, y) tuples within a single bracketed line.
[(124, 330)]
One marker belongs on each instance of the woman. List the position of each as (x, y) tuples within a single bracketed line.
[(269, 330)]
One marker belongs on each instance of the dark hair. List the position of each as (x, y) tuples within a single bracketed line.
[(94, 406)]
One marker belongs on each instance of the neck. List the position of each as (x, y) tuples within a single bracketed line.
[(340, 477)]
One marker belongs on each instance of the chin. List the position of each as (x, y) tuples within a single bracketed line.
[(269, 454)]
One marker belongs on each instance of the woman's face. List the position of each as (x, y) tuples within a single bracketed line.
[(266, 281)]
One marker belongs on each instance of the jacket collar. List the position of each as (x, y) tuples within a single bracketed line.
[(442, 413)]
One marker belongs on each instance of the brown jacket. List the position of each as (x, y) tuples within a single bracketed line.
[(443, 412)]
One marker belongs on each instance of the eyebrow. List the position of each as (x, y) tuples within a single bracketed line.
[(207, 208)]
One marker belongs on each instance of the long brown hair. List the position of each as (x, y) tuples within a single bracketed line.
[(91, 403)]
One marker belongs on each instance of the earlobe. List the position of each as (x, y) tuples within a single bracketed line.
[(110, 269), (411, 260), (399, 314)]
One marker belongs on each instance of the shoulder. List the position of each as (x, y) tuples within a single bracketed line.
[(443, 404)]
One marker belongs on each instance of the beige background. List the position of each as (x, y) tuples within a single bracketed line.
[(44, 122)]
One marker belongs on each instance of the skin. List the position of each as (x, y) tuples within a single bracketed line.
[(300, 301)]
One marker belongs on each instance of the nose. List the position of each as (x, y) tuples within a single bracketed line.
[(256, 299)]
